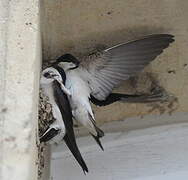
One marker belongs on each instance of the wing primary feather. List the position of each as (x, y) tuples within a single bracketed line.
[(105, 83), (167, 37), (158, 96), (111, 75), (69, 138), (74, 149), (120, 62)]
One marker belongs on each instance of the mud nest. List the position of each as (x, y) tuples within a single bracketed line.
[(45, 118)]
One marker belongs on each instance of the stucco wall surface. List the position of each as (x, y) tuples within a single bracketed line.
[(19, 75), (79, 27)]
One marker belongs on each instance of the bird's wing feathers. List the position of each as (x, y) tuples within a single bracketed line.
[(106, 70), (63, 103), (64, 106)]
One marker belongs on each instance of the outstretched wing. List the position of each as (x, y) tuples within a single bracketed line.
[(106, 70)]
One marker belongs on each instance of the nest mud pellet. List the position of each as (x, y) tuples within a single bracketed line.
[(44, 120), (45, 113), (40, 161)]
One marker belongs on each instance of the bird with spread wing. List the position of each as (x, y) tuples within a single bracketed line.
[(94, 78)]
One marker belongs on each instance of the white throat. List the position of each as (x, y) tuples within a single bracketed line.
[(67, 65)]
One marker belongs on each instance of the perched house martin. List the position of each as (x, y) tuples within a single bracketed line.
[(52, 83), (94, 78)]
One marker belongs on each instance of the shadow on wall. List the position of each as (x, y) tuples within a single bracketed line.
[(82, 27), (91, 42)]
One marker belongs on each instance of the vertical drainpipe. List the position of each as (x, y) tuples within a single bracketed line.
[(20, 63)]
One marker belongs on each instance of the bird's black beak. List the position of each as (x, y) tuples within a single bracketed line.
[(76, 65)]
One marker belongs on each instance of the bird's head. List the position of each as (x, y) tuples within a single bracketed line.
[(49, 75), (67, 62)]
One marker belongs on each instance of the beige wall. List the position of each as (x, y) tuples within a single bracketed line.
[(79, 26)]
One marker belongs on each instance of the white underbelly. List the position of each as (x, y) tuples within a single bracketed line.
[(79, 100), (77, 86), (82, 115)]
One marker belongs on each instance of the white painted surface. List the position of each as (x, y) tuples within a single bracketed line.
[(158, 153), (19, 84)]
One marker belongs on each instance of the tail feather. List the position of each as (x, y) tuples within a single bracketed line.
[(76, 153), (100, 134), (97, 139)]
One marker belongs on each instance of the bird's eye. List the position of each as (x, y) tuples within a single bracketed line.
[(47, 75)]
